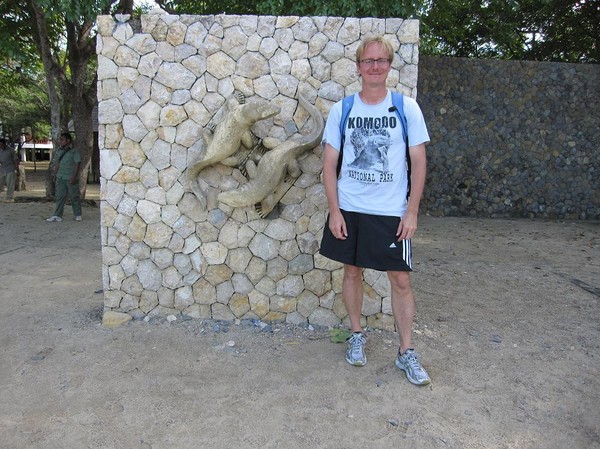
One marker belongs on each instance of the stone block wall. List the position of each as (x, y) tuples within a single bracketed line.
[(160, 82), (511, 138)]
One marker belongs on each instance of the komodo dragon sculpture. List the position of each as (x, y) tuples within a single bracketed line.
[(229, 134), (273, 167)]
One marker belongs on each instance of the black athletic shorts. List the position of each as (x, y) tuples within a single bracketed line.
[(371, 243)]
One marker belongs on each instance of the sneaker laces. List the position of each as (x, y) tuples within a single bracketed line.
[(357, 341), (412, 359)]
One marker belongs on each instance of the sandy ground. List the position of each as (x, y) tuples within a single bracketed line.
[(508, 325)]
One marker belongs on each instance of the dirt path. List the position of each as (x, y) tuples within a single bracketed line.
[(507, 323)]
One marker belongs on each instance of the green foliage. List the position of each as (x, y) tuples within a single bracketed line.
[(16, 34), (76, 11), (542, 30), (337, 335), (23, 104), (64, 36), (142, 8), (564, 30)]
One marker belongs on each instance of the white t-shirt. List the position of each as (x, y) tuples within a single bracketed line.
[(373, 177)]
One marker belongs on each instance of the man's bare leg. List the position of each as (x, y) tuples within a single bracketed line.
[(403, 306), (352, 290)]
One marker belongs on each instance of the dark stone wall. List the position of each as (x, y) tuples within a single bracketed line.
[(511, 138)]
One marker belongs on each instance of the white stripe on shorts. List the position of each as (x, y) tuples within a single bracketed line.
[(407, 253)]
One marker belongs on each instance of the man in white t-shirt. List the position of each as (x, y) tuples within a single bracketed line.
[(371, 217)]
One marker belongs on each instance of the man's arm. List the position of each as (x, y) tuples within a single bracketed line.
[(418, 172), (75, 177), (77, 160), (337, 225)]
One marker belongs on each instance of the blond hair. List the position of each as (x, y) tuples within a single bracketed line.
[(374, 40)]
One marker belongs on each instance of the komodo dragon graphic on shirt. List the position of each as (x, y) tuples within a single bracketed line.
[(274, 165), (371, 149), (231, 132)]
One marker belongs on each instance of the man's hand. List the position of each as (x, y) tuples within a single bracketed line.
[(407, 226), (337, 225)]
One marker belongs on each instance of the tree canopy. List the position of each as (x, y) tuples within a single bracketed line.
[(24, 101), (59, 37), (540, 30)]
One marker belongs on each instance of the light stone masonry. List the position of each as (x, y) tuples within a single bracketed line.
[(158, 88)]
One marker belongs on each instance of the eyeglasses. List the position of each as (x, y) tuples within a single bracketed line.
[(381, 62)]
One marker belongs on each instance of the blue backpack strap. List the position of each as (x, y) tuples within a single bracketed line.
[(398, 103), (347, 104)]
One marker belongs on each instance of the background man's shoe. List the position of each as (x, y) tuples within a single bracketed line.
[(54, 218)]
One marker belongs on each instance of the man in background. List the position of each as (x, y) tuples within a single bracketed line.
[(9, 164), (67, 178)]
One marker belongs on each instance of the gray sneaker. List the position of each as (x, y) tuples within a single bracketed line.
[(409, 363), (355, 355)]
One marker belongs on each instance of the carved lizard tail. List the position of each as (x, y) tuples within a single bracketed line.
[(194, 183), (314, 138)]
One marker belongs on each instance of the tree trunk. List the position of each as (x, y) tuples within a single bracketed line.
[(82, 122), (42, 42), (82, 92)]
